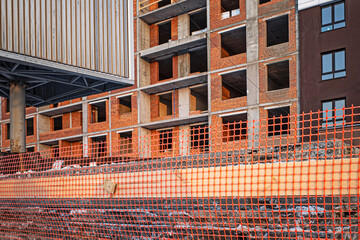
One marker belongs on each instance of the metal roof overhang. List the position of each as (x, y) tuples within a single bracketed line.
[(176, 122), (49, 82), (178, 8)]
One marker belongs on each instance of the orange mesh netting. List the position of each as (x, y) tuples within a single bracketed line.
[(285, 177)]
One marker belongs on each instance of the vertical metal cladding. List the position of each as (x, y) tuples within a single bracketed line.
[(92, 34)]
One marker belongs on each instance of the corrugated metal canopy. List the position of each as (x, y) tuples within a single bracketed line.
[(49, 82)]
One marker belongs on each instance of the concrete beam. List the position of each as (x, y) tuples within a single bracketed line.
[(17, 118)]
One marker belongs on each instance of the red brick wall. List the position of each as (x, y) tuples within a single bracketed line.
[(127, 119), (215, 15)]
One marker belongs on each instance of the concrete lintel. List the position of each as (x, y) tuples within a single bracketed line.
[(172, 10), (173, 47), (176, 83), (176, 122)]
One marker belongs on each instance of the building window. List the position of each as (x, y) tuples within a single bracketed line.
[(163, 3), (30, 149), (234, 127), (165, 104), (278, 75), (125, 143), (125, 104), (165, 140), (234, 84), (99, 146), (198, 60), (264, 1), (165, 68), (333, 65), (233, 42), (229, 8), (277, 30), (333, 17), (278, 121), (164, 32), (7, 106), (98, 111), (8, 131), (198, 22), (333, 112), (57, 123), (29, 126), (199, 99), (200, 137)]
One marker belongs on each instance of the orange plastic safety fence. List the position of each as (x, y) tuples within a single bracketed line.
[(284, 177)]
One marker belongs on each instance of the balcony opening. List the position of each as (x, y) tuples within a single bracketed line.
[(229, 8), (278, 75), (264, 1), (98, 112), (55, 105), (125, 105), (164, 32), (200, 137), (125, 143), (234, 127), (163, 3), (199, 99), (165, 140), (197, 22), (165, 68), (8, 131), (198, 60), (30, 149), (233, 42), (99, 146), (234, 85), (29, 126), (165, 104), (57, 123), (278, 121), (277, 30)]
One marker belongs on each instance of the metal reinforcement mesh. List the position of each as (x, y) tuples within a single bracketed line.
[(284, 177)]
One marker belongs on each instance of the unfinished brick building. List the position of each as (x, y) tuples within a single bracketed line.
[(197, 63)]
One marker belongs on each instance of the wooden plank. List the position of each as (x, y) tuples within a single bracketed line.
[(330, 177)]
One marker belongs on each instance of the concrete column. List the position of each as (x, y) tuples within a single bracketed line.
[(183, 26), (85, 127), (184, 140), (184, 102), (17, 118), (184, 65), (252, 71)]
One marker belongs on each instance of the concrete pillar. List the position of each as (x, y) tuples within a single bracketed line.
[(184, 140), (184, 65), (184, 102), (252, 71), (144, 107), (144, 143), (85, 127), (183, 26), (17, 118)]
